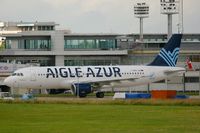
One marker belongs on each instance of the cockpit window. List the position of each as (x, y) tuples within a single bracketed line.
[(17, 74), (14, 74)]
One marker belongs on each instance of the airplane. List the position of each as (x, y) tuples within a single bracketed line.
[(82, 80)]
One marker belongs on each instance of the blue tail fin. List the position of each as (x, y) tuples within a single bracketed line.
[(168, 55)]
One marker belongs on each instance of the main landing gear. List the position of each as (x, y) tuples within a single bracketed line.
[(82, 95), (100, 94)]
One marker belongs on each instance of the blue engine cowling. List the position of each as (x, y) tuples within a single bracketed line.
[(82, 89)]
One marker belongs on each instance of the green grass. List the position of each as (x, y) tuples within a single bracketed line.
[(74, 118)]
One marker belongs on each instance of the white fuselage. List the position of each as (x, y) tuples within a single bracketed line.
[(65, 77)]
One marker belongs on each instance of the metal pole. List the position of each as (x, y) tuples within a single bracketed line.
[(141, 39), (148, 88), (180, 25), (181, 15), (199, 81), (77, 89), (169, 26), (166, 80), (183, 82), (141, 30)]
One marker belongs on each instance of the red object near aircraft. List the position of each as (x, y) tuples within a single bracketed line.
[(189, 64)]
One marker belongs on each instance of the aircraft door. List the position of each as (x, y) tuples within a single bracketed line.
[(15, 84), (33, 75)]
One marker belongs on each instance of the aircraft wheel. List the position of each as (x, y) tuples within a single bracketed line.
[(100, 94)]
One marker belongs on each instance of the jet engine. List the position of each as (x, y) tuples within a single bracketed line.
[(82, 89)]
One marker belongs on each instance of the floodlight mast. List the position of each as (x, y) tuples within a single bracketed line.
[(180, 24), (169, 8), (141, 11)]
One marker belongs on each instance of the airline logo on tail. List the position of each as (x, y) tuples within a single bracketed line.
[(170, 57)]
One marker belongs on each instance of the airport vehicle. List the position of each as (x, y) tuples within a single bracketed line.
[(83, 80), (6, 96)]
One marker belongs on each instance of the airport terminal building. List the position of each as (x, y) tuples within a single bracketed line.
[(39, 43)]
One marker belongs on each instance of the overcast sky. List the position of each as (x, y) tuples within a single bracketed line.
[(98, 16)]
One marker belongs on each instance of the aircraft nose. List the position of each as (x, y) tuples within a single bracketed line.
[(8, 81)]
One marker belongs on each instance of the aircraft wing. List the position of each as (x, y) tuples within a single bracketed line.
[(101, 83)]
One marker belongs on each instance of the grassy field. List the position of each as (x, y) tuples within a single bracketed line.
[(86, 118)]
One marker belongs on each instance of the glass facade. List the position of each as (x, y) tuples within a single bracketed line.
[(182, 58), (103, 44), (141, 59), (29, 44), (43, 28), (194, 58), (191, 79), (2, 45), (91, 62), (151, 44), (8, 44), (145, 59)]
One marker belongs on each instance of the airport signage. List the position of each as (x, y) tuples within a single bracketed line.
[(5, 68)]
